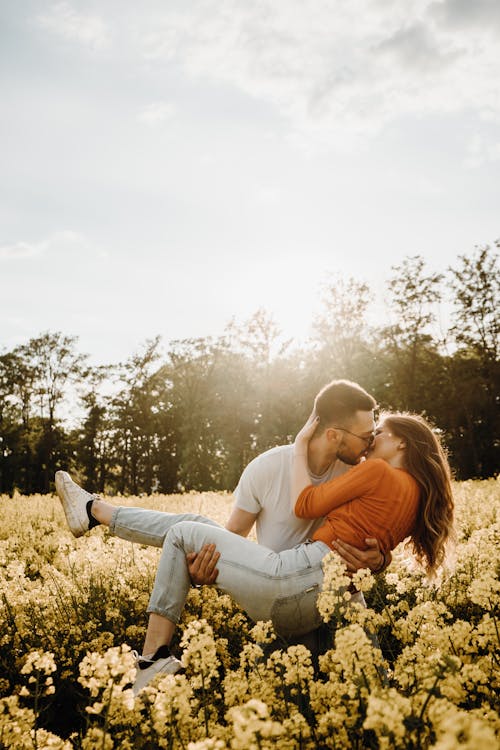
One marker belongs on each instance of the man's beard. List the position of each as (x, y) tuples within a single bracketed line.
[(348, 457)]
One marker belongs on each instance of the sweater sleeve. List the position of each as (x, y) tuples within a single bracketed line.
[(318, 501)]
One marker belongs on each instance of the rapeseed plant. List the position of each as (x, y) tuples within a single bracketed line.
[(71, 610)]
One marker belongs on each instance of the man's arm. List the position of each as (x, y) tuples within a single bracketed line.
[(355, 558), (241, 521)]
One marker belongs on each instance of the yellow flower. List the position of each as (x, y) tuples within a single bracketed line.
[(385, 714), (39, 662), (263, 632), (252, 726), (200, 654), (333, 599), (456, 729), (363, 580)]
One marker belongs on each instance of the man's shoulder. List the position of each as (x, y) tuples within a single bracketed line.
[(273, 455), (270, 461), (265, 474), (278, 450)]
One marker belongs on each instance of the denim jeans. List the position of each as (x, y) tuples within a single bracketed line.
[(149, 526), (278, 586), (282, 587)]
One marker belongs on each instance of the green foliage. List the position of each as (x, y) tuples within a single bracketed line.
[(194, 416), (476, 286), (35, 379)]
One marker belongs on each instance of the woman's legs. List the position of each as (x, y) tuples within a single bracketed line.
[(144, 526), (267, 585), (134, 524), (102, 511), (159, 632)]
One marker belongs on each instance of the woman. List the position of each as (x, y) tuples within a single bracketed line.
[(402, 490)]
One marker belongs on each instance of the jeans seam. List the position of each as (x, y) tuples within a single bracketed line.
[(164, 613), (270, 576), (146, 534)]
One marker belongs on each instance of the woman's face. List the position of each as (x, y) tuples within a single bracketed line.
[(386, 445)]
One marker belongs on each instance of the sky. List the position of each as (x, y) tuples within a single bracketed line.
[(169, 166)]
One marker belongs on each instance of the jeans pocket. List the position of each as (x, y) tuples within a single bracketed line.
[(296, 614), (303, 561)]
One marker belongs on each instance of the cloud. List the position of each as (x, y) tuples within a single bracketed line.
[(335, 70), (61, 241), (20, 250), (480, 151), (464, 14), (417, 48), (64, 21), (268, 195), (156, 113), (428, 188)]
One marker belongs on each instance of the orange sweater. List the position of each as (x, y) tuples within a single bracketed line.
[(371, 500)]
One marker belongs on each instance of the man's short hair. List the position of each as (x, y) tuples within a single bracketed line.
[(338, 402)]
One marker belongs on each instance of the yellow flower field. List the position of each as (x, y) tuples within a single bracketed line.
[(72, 610)]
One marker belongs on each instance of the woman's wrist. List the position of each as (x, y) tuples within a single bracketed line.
[(300, 447)]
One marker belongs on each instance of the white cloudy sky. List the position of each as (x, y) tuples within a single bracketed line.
[(167, 165)]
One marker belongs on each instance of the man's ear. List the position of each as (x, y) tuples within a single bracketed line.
[(332, 435)]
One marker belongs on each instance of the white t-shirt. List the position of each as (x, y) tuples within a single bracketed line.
[(264, 488)]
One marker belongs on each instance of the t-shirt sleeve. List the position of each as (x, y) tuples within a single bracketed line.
[(249, 492), (318, 501)]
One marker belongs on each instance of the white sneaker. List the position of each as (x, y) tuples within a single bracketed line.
[(74, 502), (149, 668)]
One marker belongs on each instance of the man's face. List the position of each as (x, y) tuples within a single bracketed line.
[(357, 436)]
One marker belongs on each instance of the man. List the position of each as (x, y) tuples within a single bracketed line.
[(345, 433), (263, 493)]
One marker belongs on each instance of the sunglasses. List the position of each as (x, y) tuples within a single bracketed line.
[(368, 440)]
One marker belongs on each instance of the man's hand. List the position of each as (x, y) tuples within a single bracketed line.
[(355, 558), (201, 565)]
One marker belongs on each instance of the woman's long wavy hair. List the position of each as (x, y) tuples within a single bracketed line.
[(426, 460)]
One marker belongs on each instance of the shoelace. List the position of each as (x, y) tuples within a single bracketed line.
[(140, 661)]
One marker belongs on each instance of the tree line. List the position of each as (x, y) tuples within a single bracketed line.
[(192, 417)]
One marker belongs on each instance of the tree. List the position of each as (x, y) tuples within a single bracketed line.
[(340, 329), (190, 375), (55, 365), (10, 444), (93, 436), (133, 428), (258, 338), (474, 368), (257, 350), (476, 287), (411, 349), (19, 436)]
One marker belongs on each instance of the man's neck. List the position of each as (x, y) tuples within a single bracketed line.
[(318, 460)]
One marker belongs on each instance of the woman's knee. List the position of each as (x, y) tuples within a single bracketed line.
[(184, 533)]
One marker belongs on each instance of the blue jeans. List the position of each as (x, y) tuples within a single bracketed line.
[(278, 586), (149, 526), (282, 587)]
